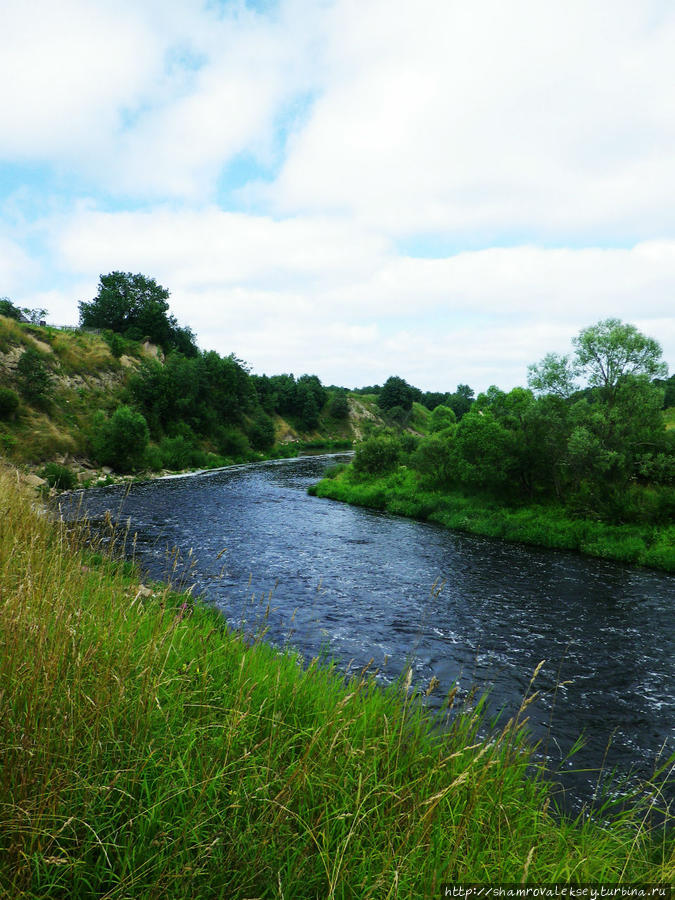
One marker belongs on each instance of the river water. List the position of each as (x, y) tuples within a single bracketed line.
[(355, 585)]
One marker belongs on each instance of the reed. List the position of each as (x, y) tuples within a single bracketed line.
[(148, 752)]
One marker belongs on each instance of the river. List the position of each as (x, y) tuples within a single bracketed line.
[(354, 585)]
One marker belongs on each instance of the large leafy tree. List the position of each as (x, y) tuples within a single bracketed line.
[(397, 392), (137, 307), (611, 350)]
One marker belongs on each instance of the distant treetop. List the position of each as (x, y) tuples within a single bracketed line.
[(136, 307)]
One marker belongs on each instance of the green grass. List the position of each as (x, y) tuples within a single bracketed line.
[(147, 752), (403, 493)]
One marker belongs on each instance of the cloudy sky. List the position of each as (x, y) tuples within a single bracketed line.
[(444, 190)]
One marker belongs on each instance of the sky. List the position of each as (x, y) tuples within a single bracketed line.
[(444, 190)]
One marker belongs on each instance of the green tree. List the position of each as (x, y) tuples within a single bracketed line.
[(121, 441), (8, 309), (442, 417), (261, 432), (612, 349), (461, 401), (34, 381), (338, 408), (136, 307), (9, 403), (553, 375), (396, 392), (377, 454)]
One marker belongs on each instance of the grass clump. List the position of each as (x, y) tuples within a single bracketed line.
[(147, 752)]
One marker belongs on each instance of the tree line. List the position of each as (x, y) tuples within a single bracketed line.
[(588, 433)]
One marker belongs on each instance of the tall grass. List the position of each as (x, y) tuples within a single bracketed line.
[(403, 493), (147, 752)]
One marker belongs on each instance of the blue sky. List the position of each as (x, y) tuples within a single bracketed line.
[(444, 190)]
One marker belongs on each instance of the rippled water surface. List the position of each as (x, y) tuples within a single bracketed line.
[(357, 584)]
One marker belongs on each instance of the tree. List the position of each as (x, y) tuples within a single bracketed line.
[(461, 401), (9, 403), (396, 392), (33, 377), (441, 418), (338, 408), (612, 349), (8, 309), (121, 441), (553, 375), (136, 307)]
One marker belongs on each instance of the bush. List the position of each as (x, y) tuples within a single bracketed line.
[(9, 403), (60, 477), (261, 434), (33, 377), (121, 441), (442, 418), (178, 453), (232, 443), (377, 454), (338, 408), (115, 341)]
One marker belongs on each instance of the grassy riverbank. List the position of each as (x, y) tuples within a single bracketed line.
[(401, 492), (147, 752)]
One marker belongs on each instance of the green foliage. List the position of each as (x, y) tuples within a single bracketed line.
[(115, 341), (553, 375), (136, 307), (121, 441), (461, 400), (398, 415), (8, 309), (60, 477), (442, 417), (397, 392), (9, 403), (612, 349), (261, 432), (233, 444), (433, 459), (377, 454), (338, 408), (33, 377)]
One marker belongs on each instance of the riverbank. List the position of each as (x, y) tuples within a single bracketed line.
[(402, 493), (149, 752)]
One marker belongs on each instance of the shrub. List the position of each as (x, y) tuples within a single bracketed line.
[(177, 452), (9, 403), (261, 433), (115, 341), (122, 440), (33, 377), (377, 454), (60, 477), (441, 418), (338, 408), (232, 443)]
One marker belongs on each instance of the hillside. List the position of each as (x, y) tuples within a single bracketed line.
[(60, 389)]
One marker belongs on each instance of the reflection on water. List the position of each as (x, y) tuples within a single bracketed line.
[(357, 584)]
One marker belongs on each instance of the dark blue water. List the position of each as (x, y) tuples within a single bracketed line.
[(357, 585)]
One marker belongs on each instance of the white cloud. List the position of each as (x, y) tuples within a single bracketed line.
[(304, 293), (490, 116), (538, 134)]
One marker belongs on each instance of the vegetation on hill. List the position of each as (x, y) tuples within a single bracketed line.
[(130, 390), (149, 752), (589, 468)]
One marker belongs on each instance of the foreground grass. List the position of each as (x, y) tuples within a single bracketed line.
[(147, 752), (403, 493)]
